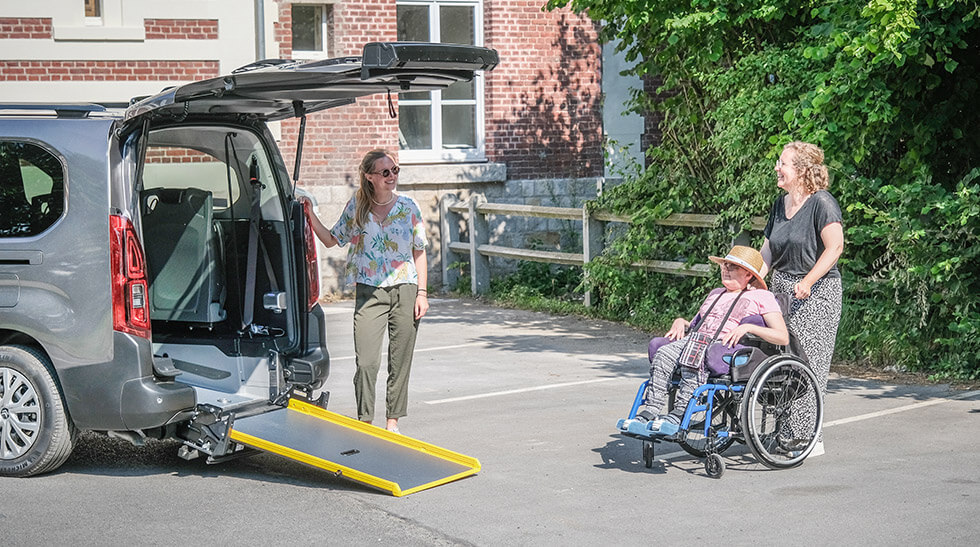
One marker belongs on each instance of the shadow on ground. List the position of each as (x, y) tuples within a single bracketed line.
[(97, 454)]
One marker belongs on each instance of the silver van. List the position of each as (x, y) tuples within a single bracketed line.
[(158, 276)]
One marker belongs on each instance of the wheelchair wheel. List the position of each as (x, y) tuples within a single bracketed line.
[(782, 412), (647, 454), (723, 414), (714, 466)]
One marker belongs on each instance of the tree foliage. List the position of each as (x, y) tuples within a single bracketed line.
[(889, 89)]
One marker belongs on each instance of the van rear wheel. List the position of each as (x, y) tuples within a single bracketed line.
[(36, 434)]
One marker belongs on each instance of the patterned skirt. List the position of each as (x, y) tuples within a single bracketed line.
[(814, 320)]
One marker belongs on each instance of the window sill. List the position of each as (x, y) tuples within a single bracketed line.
[(451, 174)]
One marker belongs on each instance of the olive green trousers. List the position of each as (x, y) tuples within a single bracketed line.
[(377, 310)]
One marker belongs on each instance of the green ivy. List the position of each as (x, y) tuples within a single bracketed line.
[(887, 87)]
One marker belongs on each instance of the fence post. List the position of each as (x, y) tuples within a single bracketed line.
[(449, 232), (592, 244), (479, 235)]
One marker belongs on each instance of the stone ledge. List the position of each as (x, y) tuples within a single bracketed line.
[(451, 174), (99, 33)]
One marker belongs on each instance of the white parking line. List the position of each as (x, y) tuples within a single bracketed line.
[(521, 390), (421, 350), (913, 406)]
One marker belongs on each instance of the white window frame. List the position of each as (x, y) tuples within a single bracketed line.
[(315, 53), (438, 154)]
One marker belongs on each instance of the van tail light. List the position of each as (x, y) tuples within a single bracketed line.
[(130, 294), (312, 266)]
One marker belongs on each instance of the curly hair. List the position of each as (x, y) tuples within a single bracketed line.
[(808, 162), (365, 192)]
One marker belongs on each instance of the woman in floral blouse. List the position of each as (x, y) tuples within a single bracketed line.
[(386, 263)]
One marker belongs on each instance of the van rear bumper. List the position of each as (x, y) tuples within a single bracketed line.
[(123, 393), (148, 402)]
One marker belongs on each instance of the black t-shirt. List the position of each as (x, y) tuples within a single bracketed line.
[(795, 243)]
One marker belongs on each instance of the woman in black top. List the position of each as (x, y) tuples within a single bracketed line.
[(804, 239)]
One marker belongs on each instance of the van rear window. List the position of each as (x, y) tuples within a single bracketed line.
[(32, 189)]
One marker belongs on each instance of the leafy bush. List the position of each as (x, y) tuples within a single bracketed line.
[(886, 87)]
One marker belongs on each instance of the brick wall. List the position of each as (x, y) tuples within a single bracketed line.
[(651, 120), (282, 30), (53, 71), (181, 29), (155, 154), (543, 101), (35, 28)]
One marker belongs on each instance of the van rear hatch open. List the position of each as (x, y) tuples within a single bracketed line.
[(272, 90)]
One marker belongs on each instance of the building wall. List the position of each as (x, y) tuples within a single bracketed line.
[(51, 53), (544, 100)]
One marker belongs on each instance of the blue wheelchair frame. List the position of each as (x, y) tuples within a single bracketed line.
[(640, 430)]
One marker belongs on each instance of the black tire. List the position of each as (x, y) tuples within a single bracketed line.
[(723, 413), (782, 412), (714, 466), (648, 454), (36, 433)]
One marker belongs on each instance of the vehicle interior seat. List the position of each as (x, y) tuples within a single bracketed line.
[(183, 255)]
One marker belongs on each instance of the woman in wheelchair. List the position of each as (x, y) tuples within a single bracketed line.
[(742, 306)]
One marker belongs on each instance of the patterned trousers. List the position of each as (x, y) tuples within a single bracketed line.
[(814, 320), (663, 360)]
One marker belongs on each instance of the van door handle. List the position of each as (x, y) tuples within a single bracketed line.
[(21, 257)]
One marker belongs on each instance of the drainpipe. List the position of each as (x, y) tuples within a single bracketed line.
[(259, 30)]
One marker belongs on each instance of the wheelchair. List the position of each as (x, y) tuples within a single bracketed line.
[(769, 400)]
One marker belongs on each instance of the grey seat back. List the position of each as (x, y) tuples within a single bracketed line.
[(183, 255)]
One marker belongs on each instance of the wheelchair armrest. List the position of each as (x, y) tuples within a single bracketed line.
[(755, 341), (751, 340)]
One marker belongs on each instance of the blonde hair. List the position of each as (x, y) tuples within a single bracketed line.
[(808, 162), (365, 193)]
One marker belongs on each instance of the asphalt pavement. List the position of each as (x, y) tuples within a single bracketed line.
[(535, 398)]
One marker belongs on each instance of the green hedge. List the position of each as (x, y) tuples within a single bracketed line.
[(889, 89)]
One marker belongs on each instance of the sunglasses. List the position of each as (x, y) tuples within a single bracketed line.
[(387, 172)]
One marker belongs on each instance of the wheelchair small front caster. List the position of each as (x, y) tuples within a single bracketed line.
[(714, 466), (648, 454)]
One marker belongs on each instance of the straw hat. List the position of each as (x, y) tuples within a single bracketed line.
[(746, 257)]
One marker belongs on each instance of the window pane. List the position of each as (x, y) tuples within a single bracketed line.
[(93, 8), (179, 167), (461, 90), (458, 127), (307, 27), (456, 24), (415, 127), (413, 24), (414, 96), (32, 191)]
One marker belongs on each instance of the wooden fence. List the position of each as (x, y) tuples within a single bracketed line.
[(477, 251)]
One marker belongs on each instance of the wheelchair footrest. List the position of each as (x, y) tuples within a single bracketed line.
[(639, 428)]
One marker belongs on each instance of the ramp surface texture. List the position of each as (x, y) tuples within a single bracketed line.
[(358, 451)]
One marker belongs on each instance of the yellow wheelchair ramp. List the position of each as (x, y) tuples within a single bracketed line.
[(356, 450)]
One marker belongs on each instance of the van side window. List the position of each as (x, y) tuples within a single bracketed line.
[(32, 189)]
